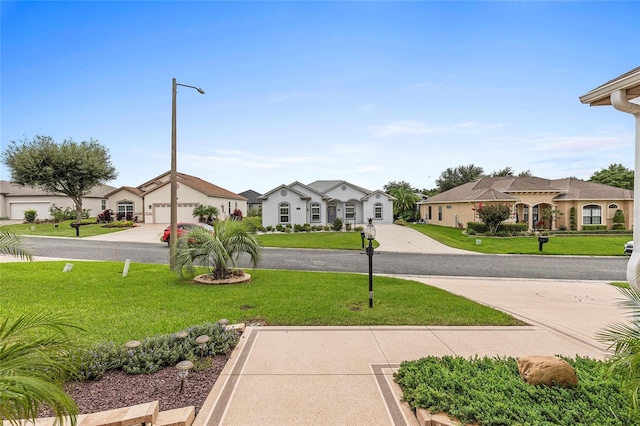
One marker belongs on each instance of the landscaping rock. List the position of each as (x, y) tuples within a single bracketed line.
[(547, 370)]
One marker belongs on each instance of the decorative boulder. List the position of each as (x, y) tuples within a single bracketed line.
[(547, 370)]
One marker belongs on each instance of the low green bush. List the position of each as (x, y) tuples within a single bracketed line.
[(117, 224), (253, 223), (504, 230), (30, 216), (153, 353), (489, 391), (617, 226), (594, 227), (337, 224)]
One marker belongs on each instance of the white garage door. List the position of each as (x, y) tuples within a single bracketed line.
[(16, 209), (162, 213)]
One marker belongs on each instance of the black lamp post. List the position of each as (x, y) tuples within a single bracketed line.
[(370, 234)]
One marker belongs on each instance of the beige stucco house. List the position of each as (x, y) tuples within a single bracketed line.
[(150, 202), (594, 204), (15, 199)]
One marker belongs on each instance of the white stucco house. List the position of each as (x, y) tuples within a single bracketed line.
[(15, 199), (150, 201), (322, 201)]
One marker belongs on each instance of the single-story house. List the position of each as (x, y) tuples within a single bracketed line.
[(15, 199), (530, 198), (254, 204), (150, 202), (322, 201)]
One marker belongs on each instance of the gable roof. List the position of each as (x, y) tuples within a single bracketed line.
[(251, 196), (324, 186), (11, 189), (207, 188), (281, 187), (507, 188)]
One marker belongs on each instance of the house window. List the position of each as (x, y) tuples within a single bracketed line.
[(284, 212), (535, 215), (350, 211), (439, 212), (315, 212), (377, 211), (525, 214), (591, 215), (611, 211), (103, 205), (429, 214), (125, 210)]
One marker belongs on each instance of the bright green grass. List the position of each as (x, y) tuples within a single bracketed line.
[(62, 230), (151, 300), (316, 240), (583, 245)]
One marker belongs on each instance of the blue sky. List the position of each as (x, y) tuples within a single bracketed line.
[(368, 92)]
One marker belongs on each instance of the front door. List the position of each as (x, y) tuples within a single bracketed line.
[(331, 213)]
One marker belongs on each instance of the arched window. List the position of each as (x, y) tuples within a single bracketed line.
[(591, 215), (377, 211), (284, 213), (315, 212)]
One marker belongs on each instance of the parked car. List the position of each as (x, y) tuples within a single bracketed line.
[(628, 248), (183, 227)]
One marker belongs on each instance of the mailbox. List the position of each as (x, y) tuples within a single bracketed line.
[(541, 240)]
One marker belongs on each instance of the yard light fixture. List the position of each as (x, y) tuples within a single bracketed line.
[(202, 342), (370, 234), (183, 368), (173, 236)]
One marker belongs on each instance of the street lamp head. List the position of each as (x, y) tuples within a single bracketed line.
[(370, 230), (200, 90)]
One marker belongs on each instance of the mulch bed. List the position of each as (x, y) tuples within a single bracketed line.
[(117, 389)]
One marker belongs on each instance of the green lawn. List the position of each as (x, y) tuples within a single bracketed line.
[(583, 245), (63, 229), (317, 240), (152, 300)]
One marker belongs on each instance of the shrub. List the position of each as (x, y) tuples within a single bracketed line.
[(476, 227), (573, 224), (337, 224), (562, 228), (252, 223), (118, 224), (617, 226), (153, 353), (594, 227), (298, 228), (618, 217), (359, 228), (30, 216), (279, 228), (269, 228), (347, 227)]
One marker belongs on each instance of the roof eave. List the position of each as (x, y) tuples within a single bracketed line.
[(602, 95)]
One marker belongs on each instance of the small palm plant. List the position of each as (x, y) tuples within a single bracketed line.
[(624, 339), (35, 350), (217, 251)]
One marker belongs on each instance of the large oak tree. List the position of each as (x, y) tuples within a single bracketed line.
[(614, 175), (69, 168)]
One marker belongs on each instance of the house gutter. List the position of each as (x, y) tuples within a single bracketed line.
[(620, 102)]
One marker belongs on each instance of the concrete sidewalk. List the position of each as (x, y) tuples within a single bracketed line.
[(344, 375)]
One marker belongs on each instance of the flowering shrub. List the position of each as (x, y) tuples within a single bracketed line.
[(153, 353)]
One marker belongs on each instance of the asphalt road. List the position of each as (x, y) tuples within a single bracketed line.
[(502, 266)]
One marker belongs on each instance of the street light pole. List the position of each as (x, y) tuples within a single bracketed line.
[(173, 234)]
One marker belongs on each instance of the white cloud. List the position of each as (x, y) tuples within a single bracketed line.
[(414, 127), (575, 145)]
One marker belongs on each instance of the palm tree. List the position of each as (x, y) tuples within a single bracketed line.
[(405, 200), (625, 340), (218, 250), (206, 214), (11, 244), (34, 362)]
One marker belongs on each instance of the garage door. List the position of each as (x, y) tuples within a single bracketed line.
[(17, 209), (162, 213)]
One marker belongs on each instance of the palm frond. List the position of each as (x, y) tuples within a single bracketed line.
[(11, 244), (35, 350)]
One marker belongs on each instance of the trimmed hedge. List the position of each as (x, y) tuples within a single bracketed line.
[(505, 228), (594, 227)]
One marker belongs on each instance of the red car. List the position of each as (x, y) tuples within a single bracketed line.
[(182, 228)]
